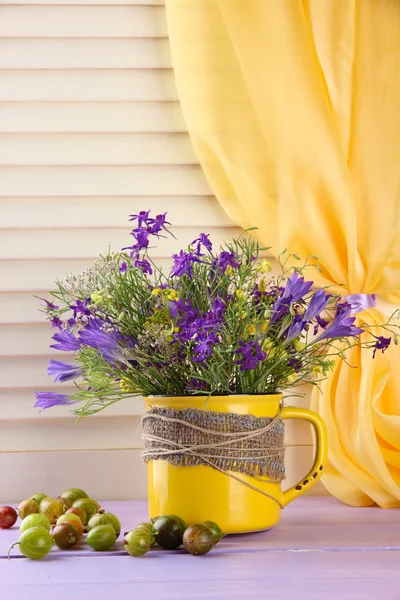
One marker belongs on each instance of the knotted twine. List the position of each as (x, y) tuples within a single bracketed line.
[(227, 442)]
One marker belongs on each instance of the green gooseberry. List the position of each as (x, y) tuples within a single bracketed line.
[(28, 507), (73, 494), (216, 530), (50, 508), (34, 520), (104, 518), (38, 497), (137, 542), (168, 531), (198, 539), (101, 538), (65, 535), (89, 506), (34, 543)]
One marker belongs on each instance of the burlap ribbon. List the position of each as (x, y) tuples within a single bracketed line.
[(225, 441)]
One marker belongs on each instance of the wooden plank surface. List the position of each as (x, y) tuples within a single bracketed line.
[(321, 549)]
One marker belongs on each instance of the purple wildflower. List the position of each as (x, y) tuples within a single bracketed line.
[(66, 341), (49, 399), (296, 288), (141, 218), (144, 265), (159, 223), (183, 263), (226, 259), (123, 268), (63, 371), (342, 325), (196, 384), (382, 343), (295, 328), (323, 323), (106, 342), (317, 303), (202, 240), (203, 346), (80, 307), (56, 322), (251, 355), (49, 305)]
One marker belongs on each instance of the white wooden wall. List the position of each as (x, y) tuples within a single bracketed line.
[(90, 131)]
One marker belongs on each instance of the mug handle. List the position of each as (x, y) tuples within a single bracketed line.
[(321, 454)]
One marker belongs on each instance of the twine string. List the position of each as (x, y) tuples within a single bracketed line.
[(187, 437)]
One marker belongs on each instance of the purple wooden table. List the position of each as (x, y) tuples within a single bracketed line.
[(322, 549)]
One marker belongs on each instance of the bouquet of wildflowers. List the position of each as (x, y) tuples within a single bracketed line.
[(217, 323)]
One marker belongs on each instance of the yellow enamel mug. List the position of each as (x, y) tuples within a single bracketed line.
[(201, 493)]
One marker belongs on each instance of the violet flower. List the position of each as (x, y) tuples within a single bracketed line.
[(251, 355), (295, 328), (144, 265), (183, 264), (66, 341), (196, 384), (123, 268), (141, 218), (63, 371), (80, 307), (49, 399), (382, 343), (106, 342), (341, 326), (226, 259), (202, 240), (317, 303)]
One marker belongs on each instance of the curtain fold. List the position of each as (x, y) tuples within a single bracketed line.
[(293, 108)]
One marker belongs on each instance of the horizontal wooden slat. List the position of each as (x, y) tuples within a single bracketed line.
[(53, 472), (109, 474), (29, 372), (65, 434), (87, 85), (91, 117), (96, 149), (19, 404), (103, 181), (66, 243), (83, 21), (43, 213), (84, 53)]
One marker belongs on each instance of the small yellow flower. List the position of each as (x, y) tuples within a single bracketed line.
[(317, 370), (176, 329), (268, 347), (240, 294), (156, 292), (262, 284), (299, 345), (291, 378), (251, 329), (172, 295), (265, 267), (98, 297), (264, 326), (228, 270), (125, 386), (243, 316)]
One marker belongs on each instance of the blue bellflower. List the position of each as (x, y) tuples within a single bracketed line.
[(49, 399), (63, 371), (342, 325), (66, 341)]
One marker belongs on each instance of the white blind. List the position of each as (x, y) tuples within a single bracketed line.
[(90, 131)]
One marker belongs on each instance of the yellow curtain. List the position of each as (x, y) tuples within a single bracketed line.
[(294, 111)]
